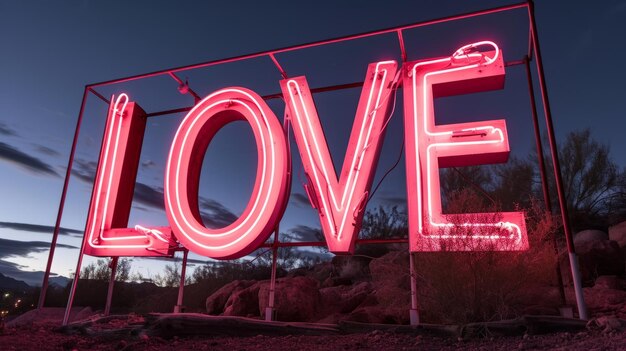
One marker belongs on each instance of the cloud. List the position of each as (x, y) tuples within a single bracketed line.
[(149, 196), (6, 130), (214, 214), (148, 164), (37, 228), (300, 200), (141, 208), (305, 233), (16, 248), (32, 278), (85, 170), (47, 151), (25, 161)]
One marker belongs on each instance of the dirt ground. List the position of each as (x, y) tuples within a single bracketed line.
[(48, 337)]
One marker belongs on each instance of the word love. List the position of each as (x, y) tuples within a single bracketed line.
[(341, 199)]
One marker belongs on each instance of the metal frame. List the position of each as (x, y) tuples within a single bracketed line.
[(533, 46)]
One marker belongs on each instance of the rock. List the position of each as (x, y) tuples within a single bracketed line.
[(391, 269), (600, 257), (391, 280), (48, 315), (608, 282), (589, 235), (351, 268), (296, 299), (216, 302), (601, 301), (244, 302), (608, 324), (617, 233), (320, 272), (379, 315), (344, 299)]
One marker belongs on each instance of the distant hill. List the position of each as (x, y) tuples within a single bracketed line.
[(32, 280), (13, 284), (59, 280)]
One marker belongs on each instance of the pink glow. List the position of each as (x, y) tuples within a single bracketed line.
[(430, 146), (113, 188), (341, 202), (269, 196)]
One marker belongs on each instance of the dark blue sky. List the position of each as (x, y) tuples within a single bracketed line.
[(51, 50)]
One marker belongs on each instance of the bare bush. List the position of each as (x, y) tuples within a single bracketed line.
[(101, 270), (484, 284)]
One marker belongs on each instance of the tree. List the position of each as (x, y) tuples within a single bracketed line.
[(510, 185), (171, 277), (594, 186), (592, 182), (384, 223), (101, 270)]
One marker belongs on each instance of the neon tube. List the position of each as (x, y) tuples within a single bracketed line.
[(340, 201), (268, 199), (102, 238), (456, 144)]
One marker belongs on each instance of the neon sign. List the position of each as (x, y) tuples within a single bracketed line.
[(430, 146), (340, 201), (106, 232), (270, 192)]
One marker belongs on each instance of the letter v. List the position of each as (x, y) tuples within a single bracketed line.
[(340, 202)]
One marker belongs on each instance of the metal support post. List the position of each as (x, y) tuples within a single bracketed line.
[(57, 226), (70, 299), (414, 314), (107, 306), (179, 308), (580, 299), (543, 174), (269, 310)]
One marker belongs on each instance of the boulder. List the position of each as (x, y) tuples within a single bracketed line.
[(320, 272), (391, 269), (391, 279), (351, 268), (589, 236), (608, 282), (379, 315), (343, 299), (599, 257), (603, 301), (295, 299), (244, 302), (216, 302), (617, 233)]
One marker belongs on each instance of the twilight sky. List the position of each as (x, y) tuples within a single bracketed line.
[(51, 50)]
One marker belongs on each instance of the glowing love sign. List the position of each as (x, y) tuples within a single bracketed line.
[(340, 201)]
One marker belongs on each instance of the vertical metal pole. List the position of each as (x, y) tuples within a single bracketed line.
[(181, 287), (70, 299), (414, 313), (57, 226), (580, 299), (107, 306), (542, 172), (542, 165), (269, 310)]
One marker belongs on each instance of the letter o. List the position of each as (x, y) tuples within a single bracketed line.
[(270, 192)]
